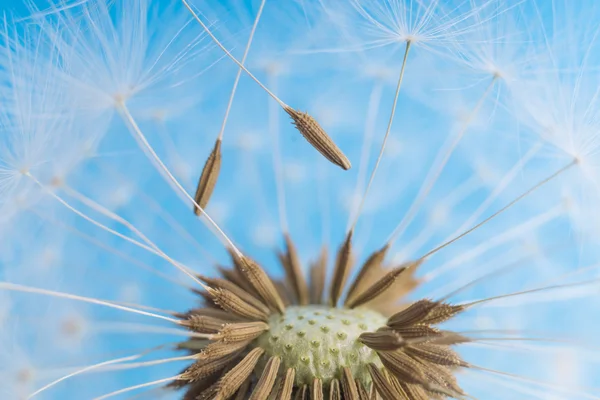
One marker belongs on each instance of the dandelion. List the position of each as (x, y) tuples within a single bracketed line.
[(489, 293)]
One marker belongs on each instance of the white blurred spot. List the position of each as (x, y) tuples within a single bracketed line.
[(399, 257), (394, 147), (485, 323), (73, 329), (485, 171), (218, 211), (5, 308), (50, 256), (294, 172), (130, 293), (351, 202), (566, 371), (25, 376), (250, 142), (120, 196), (439, 215), (274, 68), (380, 72), (265, 235), (182, 170)]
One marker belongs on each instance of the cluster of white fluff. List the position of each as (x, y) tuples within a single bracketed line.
[(110, 108)]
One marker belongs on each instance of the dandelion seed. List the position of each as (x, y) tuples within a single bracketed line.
[(316, 136), (208, 178)]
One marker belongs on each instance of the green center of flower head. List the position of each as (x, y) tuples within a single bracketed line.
[(318, 341)]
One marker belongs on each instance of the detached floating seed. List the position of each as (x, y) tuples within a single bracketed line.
[(316, 136), (208, 178)]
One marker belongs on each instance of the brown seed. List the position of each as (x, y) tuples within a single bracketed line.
[(382, 340), (208, 178), (197, 388), (362, 392), (402, 366), (261, 282), (381, 384), (235, 276), (221, 349), (373, 393), (419, 331), (287, 281), (203, 323), (413, 314), (397, 386), (237, 267), (413, 391), (235, 289), (230, 302), (208, 393), (318, 270), (387, 303), (267, 379), (295, 274), (214, 313), (285, 392), (428, 385), (377, 288), (276, 388), (302, 393), (348, 385), (364, 276), (342, 268), (441, 313), (447, 338), (442, 377), (236, 376), (435, 354), (193, 345), (242, 331), (334, 390), (416, 392), (208, 301), (203, 368), (316, 392), (284, 291), (316, 136), (242, 392)]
